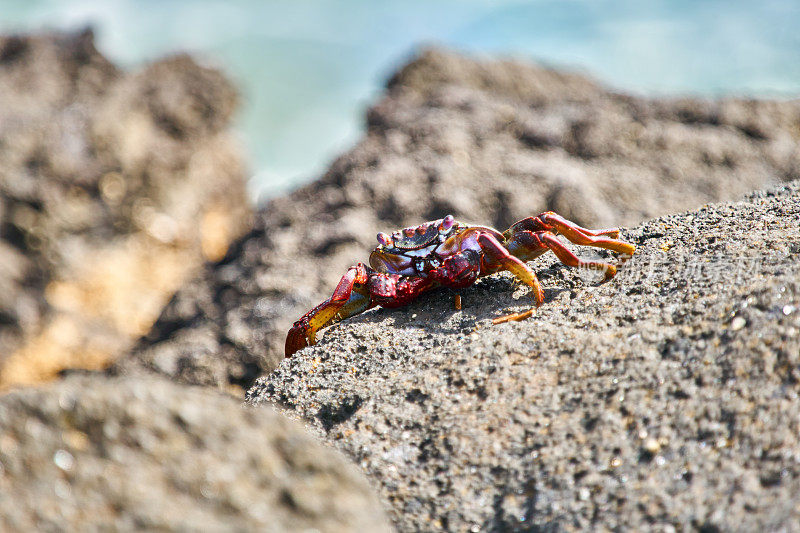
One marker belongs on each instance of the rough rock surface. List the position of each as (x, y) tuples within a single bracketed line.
[(489, 142), (114, 187), (666, 399), (104, 454)]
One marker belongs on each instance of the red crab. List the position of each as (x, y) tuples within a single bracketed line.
[(451, 254)]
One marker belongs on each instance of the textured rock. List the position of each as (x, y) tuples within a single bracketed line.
[(664, 400), (92, 454), (114, 188), (489, 142)]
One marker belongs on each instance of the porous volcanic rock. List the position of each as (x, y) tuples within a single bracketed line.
[(665, 400), (114, 187), (93, 453), (489, 142)]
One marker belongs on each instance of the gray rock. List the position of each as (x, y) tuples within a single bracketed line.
[(93, 453), (115, 187), (489, 142), (664, 400)]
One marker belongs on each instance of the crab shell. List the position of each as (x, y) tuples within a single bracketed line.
[(417, 250)]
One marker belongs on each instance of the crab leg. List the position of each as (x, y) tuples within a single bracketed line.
[(498, 254), (550, 221), (349, 298), (526, 241)]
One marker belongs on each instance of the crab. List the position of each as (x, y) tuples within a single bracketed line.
[(448, 253)]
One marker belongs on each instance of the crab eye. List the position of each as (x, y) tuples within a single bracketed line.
[(384, 239), (446, 223)]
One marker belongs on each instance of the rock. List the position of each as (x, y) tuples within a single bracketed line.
[(488, 141), (114, 188), (93, 453), (665, 399)]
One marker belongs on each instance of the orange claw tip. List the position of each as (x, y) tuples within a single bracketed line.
[(610, 272)]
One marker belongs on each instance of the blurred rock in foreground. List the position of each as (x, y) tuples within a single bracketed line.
[(489, 142), (114, 187), (90, 454), (666, 399)]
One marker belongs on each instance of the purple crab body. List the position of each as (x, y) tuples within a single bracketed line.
[(448, 253)]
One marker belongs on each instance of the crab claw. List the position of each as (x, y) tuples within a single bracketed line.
[(299, 337), (349, 298)]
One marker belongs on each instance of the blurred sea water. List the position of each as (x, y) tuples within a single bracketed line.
[(308, 68)]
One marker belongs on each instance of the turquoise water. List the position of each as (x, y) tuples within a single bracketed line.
[(308, 68)]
